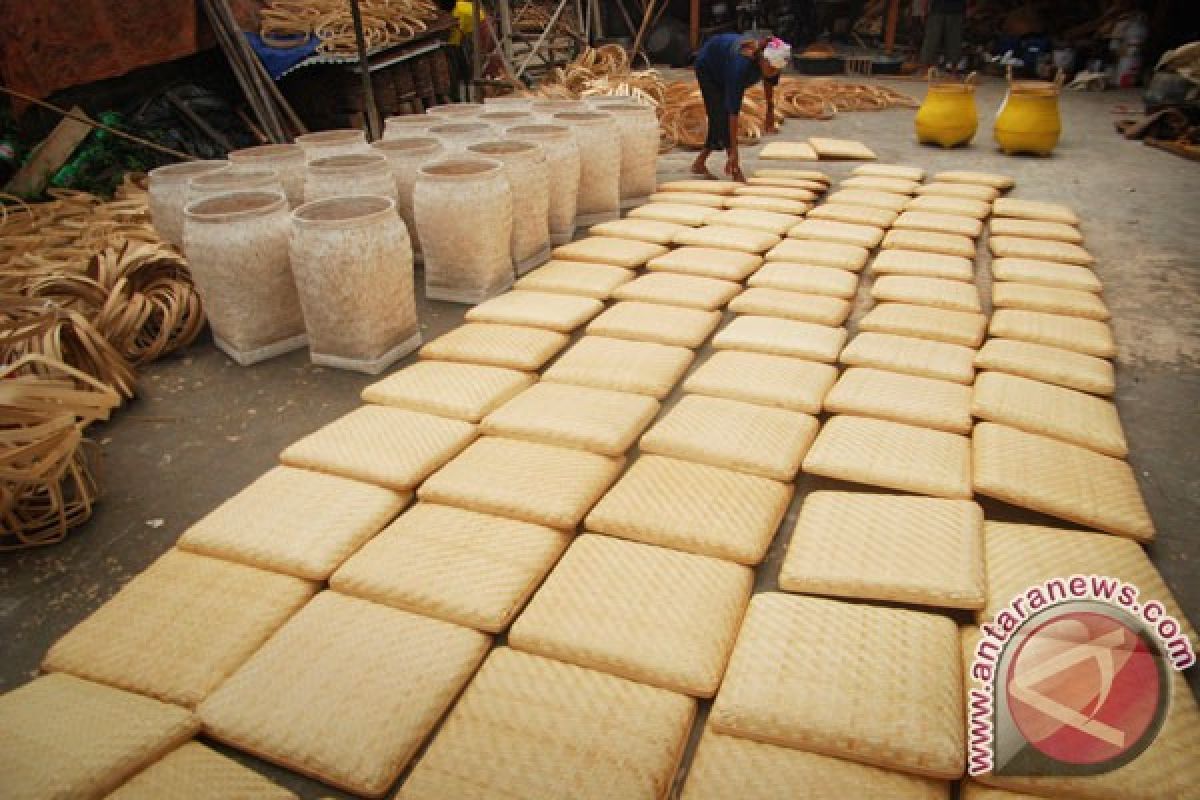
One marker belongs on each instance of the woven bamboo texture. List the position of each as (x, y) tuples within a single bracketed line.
[(572, 277), (880, 183), (920, 550), (1048, 364), (1035, 229), (886, 201), (1034, 209), (816, 176), (511, 346), (781, 337), (652, 322), (1059, 479), (1088, 336), (778, 192), (805, 674), (854, 214), (703, 186), (928, 242), (823, 230), (708, 262), (819, 253), (923, 322), (774, 205), (946, 204), (765, 221), (472, 569), (809, 279), (1039, 250), (816, 308), (921, 357), (196, 772), (939, 223), (622, 366), (688, 198), (925, 265), (534, 727), (694, 508), (892, 455), (775, 381), (995, 180), (609, 250), (840, 149), (728, 237), (924, 402), (645, 613), (448, 389), (903, 172), (791, 183), (556, 312), (675, 289), (1045, 273), (676, 213), (1049, 300), (788, 151), (932, 292), (642, 230), (966, 191)]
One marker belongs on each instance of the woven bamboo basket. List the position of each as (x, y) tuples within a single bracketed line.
[(286, 159), (599, 197), (405, 125), (457, 136), (405, 157), (529, 180), (340, 176), (562, 162), (323, 144), (169, 193), (638, 126), (238, 179)]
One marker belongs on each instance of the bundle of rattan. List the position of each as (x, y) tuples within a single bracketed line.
[(47, 469), (292, 23), (684, 122), (534, 16)]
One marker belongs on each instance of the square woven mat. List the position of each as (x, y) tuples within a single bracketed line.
[(621, 365), (197, 772), (854, 214), (880, 183), (776, 381), (643, 230), (708, 262), (575, 277), (778, 205), (674, 289), (1039, 249), (1048, 364), (929, 242), (1034, 209), (448, 389), (728, 237), (924, 402), (945, 204), (556, 312), (788, 151), (1035, 229), (922, 357), (872, 199), (840, 148), (806, 278), (511, 346), (1048, 299), (677, 212), (1088, 336), (781, 337), (765, 221), (926, 265), (821, 253), (932, 292), (890, 171), (939, 223), (653, 322), (766, 302), (825, 230), (609, 250), (923, 322), (992, 179), (1046, 273), (708, 199), (968, 191)]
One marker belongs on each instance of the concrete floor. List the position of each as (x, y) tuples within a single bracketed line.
[(202, 428)]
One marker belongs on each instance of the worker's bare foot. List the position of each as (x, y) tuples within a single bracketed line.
[(699, 167)]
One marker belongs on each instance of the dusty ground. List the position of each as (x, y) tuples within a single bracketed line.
[(202, 428)]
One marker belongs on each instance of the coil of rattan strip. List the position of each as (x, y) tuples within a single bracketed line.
[(1088, 336), (932, 292), (929, 242), (1039, 250), (854, 214), (798, 174), (996, 181), (805, 674), (863, 197), (820, 253), (708, 262), (946, 204), (1031, 297), (1036, 407), (637, 611), (296, 522), (1048, 364), (791, 183), (511, 346), (848, 149), (1034, 209), (966, 191), (727, 237), (866, 236), (939, 223), (622, 366), (922, 322), (689, 199), (776, 381), (1045, 273), (677, 213), (759, 440), (920, 550), (922, 357), (534, 727), (806, 278), (788, 151), (878, 452), (1059, 479), (609, 250), (652, 322), (781, 337), (538, 483), (765, 221), (775, 205), (879, 183), (472, 569), (643, 230), (694, 508), (196, 771), (596, 420), (144, 638), (556, 312), (900, 171), (65, 737), (675, 289), (346, 691), (791, 305), (925, 402), (390, 447), (1035, 229), (575, 277), (701, 186), (925, 265), (779, 192), (730, 766), (448, 389)]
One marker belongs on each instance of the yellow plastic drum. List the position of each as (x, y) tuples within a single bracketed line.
[(1029, 121), (947, 117)]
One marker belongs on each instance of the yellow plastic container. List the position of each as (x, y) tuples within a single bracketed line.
[(947, 117), (1029, 121)]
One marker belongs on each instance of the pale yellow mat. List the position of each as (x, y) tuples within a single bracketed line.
[(530, 727), (922, 322), (968, 191), (1048, 364), (798, 174), (939, 223), (699, 185), (637, 611), (777, 205), (1048, 299), (643, 230), (727, 237), (880, 183), (840, 149), (791, 305), (296, 522), (448, 389), (765, 221), (597, 420), (927, 265), (820, 253), (677, 213), (1059, 479), (996, 181), (621, 365), (1035, 229), (788, 151), (807, 278), (346, 691), (1045, 273), (539, 483), (863, 197), (694, 508), (689, 198), (890, 171), (854, 214), (556, 312), (65, 737), (929, 242), (707, 262), (653, 322), (609, 250), (390, 447), (793, 183), (1088, 336), (825, 230), (893, 548), (1042, 408), (759, 440), (947, 204), (780, 192), (924, 402), (878, 452), (575, 277), (1034, 209), (197, 772), (932, 292), (776, 381), (805, 673), (675, 289), (465, 567), (511, 346), (1039, 249), (912, 356), (781, 337)]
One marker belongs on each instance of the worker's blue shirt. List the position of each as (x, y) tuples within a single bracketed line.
[(720, 61)]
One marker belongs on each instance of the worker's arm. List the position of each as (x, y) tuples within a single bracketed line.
[(769, 92), (733, 165)]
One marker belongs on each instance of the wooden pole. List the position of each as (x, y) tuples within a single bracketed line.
[(893, 17), (475, 91), (694, 25), (374, 127)]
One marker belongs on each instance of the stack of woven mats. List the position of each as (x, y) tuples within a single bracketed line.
[(515, 573)]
